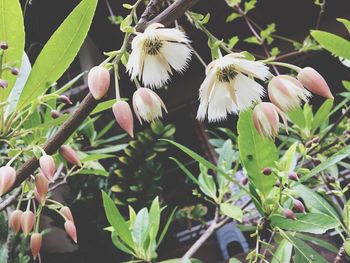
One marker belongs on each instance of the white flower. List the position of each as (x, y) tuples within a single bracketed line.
[(147, 105), (287, 92), (155, 52), (230, 87)]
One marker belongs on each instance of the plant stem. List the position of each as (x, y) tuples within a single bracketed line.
[(341, 253)]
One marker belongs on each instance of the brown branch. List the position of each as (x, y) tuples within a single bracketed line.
[(168, 16), (340, 255)]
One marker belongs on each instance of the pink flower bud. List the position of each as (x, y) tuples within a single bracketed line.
[(70, 155), (15, 220), (7, 179), (15, 71), (123, 115), (27, 222), (267, 171), (266, 120), (244, 180), (67, 213), (289, 214), (314, 82), (98, 81), (71, 230), (299, 206), (41, 188), (35, 244), (4, 45), (55, 114), (3, 84), (65, 99), (293, 176), (47, 166), (287, 92)]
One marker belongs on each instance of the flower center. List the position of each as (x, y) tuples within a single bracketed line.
[(152, 46), (226, 74)]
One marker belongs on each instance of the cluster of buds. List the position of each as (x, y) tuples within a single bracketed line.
[(287, 93), (297, 205)]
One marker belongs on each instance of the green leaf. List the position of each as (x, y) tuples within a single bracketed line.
[(346, 85), (231, 211), (140, 228), (297, 117), (59, 52), (154, 218), (314, 202), (225, 161), (166, 227), (314, 223), (318, 242), (95, 157), (345, 22), (103, 106), (12, 32), (110, 149), (335, 158), (322, 114), (207, 185), (305, 251), (70, 83), (256, 153), (232, 17), (333, 43), (283, 252), (116, 220), (285, 164)]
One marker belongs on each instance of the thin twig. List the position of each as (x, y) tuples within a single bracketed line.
[(12, 198), (341, 253)]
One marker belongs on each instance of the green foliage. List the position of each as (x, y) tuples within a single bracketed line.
[(256, 153), (139, 236), (335, 44), (12, 32), (139, 175), (59, 52)]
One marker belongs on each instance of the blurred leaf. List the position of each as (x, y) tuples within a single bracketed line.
[(283, 252), (116, 220), (314, 223), (12, 32), (333, 43), (319, 242), (59, 52), (335, 158), (256, 153), (297, 117), (322, 114), (95, 157), (232, 211), (110, 149), (105, 105), (345, 22), (303, 250)]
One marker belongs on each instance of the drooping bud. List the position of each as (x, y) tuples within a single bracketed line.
[(67, 213), (316, 161), (331, 179), (299, 206), (267, 171), (98, 81), (287, 92), (3, 84), (266, 120), (41, 188), (47, 166), (71, 230), (27, 222), (35, 244), (244, 180), (15, 220), (289, 214), (278, 183), (314, 82), (316, 139), (70, 155), (293, 176), (4, 45), (123, 115), (15, 71), (65, 99), (7, 179), (147, 105), (55, 114)]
